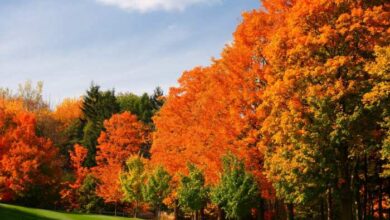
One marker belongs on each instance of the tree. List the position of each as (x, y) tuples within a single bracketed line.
[(122, 137), (377, 99), (192, 192), (87, 198), (68, 128), (144, 106), (316, 130), (29, 164), (97, 106), (31, 97), (69, 194), (237, 192), (132, 179), (157, 188)]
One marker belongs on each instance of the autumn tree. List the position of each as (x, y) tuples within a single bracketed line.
[(377, 98), (122, 137), (68, 116), (316, 130), (29, 163)]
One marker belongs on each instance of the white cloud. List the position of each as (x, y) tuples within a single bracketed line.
[(153, 5)]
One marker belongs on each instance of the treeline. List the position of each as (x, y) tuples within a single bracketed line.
[(292, 122)]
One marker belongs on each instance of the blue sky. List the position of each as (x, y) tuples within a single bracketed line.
[(129, 45)]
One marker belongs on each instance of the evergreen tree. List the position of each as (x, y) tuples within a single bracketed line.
[(97, 107)]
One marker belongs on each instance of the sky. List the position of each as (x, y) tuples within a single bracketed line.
[(129, 45)]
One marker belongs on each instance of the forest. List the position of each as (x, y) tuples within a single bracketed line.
[(290, 122)]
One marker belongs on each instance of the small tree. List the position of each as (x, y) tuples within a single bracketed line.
[(192, 192), (132, 179), (157, 188), (237, 191), (88, 200)]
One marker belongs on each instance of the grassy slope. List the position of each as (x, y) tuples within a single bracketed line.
[(11, 212)]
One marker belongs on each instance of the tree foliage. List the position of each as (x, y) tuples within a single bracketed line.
[(157, 188), (132, 180), (192, 192), (237, 191), (97, 106), (27, 162), (122, 138)]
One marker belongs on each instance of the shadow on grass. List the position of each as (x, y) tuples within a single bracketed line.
[(14, 214)]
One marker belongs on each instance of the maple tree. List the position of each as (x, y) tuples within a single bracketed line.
[(122, 138), (314, 123), (70, 192), (28, 163)]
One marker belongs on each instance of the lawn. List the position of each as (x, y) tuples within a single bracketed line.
[(11, 212)]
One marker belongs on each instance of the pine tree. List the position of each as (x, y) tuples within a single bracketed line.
[(97, 107)]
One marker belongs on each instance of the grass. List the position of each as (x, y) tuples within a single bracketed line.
[(12, 212)]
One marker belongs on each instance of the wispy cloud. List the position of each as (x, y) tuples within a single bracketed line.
[(154, 5)]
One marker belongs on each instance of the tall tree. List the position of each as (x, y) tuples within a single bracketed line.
[(314, 124), (122, 137), (97, 106)]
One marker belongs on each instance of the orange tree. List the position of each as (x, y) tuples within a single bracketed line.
[(314, 124), (29, 164), (122, 138)]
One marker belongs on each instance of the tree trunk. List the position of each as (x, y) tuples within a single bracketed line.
[(202, 217), (346, 203), (356, 190), (329, 204), (371, 206), (260, 213), (115, 209), (358, 205), (345, 188), (322, 210), (136, 209), (365, 197), (176, 210), (290, 211), (221, 214), (380, 207)]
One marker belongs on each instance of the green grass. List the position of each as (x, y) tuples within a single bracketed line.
[(12, 212)]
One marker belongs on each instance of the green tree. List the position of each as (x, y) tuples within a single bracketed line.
[(87, 198), (237, 192), (97, 106), (144, 106), (157, 188), (132, 179), (192, 192)]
